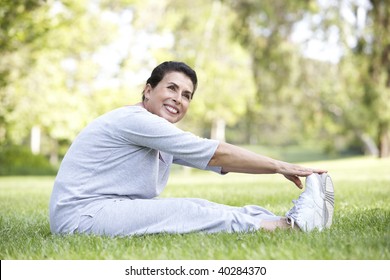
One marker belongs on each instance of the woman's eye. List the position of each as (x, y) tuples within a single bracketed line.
[(187, 96)]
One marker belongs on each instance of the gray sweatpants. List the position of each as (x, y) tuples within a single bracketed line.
[(123, 216)]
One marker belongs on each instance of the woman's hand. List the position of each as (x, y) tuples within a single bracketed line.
[(293, 172)]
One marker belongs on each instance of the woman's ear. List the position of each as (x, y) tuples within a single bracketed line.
[(147, 90)]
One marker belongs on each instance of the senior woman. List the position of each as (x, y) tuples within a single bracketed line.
[(111, 177)]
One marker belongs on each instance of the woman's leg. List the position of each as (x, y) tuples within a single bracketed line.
[(175, 215), (282, 223)]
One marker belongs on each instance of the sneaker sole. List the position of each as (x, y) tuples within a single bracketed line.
[(328, 190)]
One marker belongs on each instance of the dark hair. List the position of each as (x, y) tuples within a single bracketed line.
[(166, 67)]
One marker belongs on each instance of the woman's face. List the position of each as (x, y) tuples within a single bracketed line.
[(171, 97)]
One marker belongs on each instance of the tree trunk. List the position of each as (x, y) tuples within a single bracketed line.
[(379, 67), (384, 140), (218, 129), (54, 153), (369, 145), (35, 142)]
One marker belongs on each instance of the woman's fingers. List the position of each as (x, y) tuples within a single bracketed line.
[(295, 180)]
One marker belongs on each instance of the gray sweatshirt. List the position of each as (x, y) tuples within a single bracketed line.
[(126, 152)]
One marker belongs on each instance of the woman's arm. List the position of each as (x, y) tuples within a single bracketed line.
[(235, 159)]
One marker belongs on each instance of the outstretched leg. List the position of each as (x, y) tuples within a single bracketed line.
[(174, 215)]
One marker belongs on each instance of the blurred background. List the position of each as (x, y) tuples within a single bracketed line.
[(299, 80)]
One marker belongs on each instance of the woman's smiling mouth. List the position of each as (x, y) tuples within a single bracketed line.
[(171, 109)]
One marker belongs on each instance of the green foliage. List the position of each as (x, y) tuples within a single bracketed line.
[(55, 92), (377, 82), (263, 28), (360, 230), (22, 25), (63, 63), (20, 161), (208, 45)]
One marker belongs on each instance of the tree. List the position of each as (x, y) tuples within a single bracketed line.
[(349, 101), (203, 39), (264, 29), (364, 73), (377, 84), (23, 25), (52, 74)]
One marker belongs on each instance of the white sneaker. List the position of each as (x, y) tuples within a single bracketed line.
[(315, 206)]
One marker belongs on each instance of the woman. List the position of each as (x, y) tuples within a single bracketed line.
[(110, 178)]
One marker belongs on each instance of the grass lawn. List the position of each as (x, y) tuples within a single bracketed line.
[(361, 228)]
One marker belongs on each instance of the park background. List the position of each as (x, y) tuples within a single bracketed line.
[(304, 81)]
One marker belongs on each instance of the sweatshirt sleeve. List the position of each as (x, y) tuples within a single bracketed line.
[(148, 130)]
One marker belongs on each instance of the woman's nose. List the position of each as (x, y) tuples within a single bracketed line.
[(177, 98)]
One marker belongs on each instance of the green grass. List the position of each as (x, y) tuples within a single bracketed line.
[(361, 228)]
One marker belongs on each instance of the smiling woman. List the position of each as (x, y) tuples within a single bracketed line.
[(171, 98), (110, 178)]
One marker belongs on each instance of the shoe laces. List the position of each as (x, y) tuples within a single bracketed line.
[(299, 204)]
